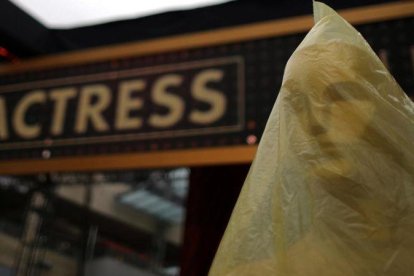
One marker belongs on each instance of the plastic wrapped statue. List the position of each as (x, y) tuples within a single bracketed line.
[(331, 190)]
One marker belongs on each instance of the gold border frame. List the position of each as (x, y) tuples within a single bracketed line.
[(114, 137), (191, 157), (173, 158)]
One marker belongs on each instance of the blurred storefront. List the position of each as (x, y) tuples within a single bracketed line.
[(128, 159)]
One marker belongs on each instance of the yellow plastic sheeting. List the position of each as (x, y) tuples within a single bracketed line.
[(331, 190)]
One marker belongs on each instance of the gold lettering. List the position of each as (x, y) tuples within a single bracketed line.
[(60, 96), (21, 127), (4, 134), (88, 111), (126, 103), (214, 98), (174, 103)]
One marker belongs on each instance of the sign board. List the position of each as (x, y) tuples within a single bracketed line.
[(189, 100), (164, 101)]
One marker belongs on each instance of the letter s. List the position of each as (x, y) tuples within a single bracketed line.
[(214, 98)]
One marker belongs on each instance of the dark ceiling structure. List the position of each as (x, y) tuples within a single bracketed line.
[(21, 36)]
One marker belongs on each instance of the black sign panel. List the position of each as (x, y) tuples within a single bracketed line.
[(201, 97), (175, 100)]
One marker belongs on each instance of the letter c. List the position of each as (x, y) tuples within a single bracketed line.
[(21, 127)]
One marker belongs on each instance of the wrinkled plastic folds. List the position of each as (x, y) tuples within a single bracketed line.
[(331, 189)]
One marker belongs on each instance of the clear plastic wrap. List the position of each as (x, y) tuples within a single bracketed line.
[(331, 189)]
